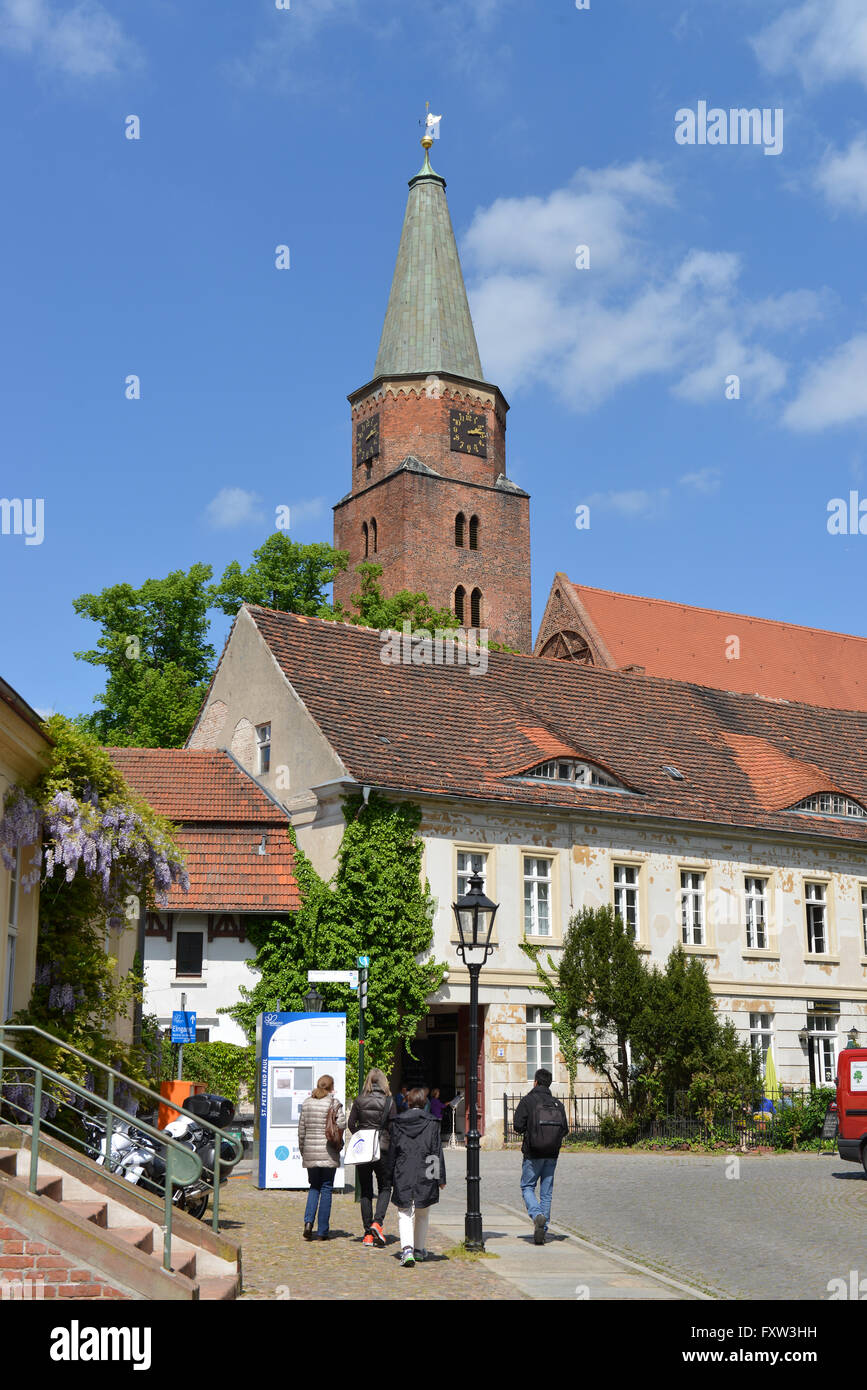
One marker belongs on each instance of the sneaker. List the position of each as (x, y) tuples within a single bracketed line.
[(378, 1233), (421, 1256), (539, 1226), (407, 1257), (368, 1241)]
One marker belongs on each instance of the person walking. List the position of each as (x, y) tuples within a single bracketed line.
[(374, 1109), (418, 1174), (320, 1122), (541, 1119)]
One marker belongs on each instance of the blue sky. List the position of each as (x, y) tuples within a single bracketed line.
[(263, 126)]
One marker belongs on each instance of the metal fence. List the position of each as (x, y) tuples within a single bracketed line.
[(743, 1124)]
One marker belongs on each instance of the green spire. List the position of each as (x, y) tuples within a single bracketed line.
[(427, 323)]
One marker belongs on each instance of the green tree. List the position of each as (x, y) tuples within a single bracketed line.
[(154, 646), (376, 904), (602, 988), (374, 610), (282, 575), (559, 1013)]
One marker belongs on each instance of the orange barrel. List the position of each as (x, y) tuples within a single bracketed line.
[(178, 1092)]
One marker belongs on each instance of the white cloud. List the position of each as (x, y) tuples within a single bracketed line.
[(232, 506), (309, 510), (637, 311), (823, 40), (706, 481), (842, 176), (834, 392), (634, 503), (82, 41)]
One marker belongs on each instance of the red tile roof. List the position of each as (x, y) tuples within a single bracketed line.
[(229, 874), (188, 784), (673, 640), (223, 816), (449, 730)]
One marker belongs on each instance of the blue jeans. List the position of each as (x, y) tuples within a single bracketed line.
[(321, 1188), (538, 1170)]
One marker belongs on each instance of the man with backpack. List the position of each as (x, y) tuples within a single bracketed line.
[(541, 1119)]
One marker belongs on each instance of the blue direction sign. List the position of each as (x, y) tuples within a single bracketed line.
[(183, 1026), (364, 962)]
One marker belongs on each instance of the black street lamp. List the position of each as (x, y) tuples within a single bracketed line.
[(313, 1002), (475, 918)]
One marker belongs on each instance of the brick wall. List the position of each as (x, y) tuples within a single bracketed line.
[(32, 1269), (415, 514)]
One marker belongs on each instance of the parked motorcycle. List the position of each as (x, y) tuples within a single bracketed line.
[(142, 1160)]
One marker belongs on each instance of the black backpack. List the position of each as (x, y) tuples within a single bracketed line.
[(546, 1127)]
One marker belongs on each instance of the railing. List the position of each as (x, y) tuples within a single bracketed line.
[(742, 1123), (584, 1113), (183, 1165)]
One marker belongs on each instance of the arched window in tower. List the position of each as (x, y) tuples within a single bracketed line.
[(476, 608), (373, 539), (365, 538), (460, 600), (459, 528), (474, 533)]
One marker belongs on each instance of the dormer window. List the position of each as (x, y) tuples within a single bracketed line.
[(568, 770), (830, 804)]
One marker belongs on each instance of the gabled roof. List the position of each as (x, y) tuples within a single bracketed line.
[(453, 731), (673, 640), (196, 785), (225, 819), (427, 326)]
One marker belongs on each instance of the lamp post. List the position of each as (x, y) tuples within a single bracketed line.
[(313, 1002), (475, 918)]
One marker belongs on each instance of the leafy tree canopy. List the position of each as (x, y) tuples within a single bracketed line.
[(283, 575), (154, 646), (374, 610)]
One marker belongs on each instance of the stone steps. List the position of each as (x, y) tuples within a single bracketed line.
[(100, 1228)]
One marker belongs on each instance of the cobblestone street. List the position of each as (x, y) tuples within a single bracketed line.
[(771, 1227), (277, 1263)]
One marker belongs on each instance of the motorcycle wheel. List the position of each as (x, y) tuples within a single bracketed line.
[(196, 1208)]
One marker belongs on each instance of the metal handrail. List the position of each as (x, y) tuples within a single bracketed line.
[(111, 1110)]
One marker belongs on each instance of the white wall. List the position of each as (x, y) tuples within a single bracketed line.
[(223, 971)]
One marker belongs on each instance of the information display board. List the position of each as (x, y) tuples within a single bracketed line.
[(292, 1052)]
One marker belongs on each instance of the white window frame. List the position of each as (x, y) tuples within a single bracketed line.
[(624, 887), (693, 906), (816, 896), (762, 1038), (464, 874), (756, 907), (535, 880), (11, 935), (822, 1033), (540, 1040), (263, 749)]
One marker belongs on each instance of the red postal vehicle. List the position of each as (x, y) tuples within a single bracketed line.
[(852, 1105)]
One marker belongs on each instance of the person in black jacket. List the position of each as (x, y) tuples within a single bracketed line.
[(418, 1173), (541, 1119), (374, 1109)]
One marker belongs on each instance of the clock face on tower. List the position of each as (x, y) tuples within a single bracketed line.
[(367, 439), (468, 433)]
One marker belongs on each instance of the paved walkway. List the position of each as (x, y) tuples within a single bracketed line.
[(566, 1267), (279, 1264)]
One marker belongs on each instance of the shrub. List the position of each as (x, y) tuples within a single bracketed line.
[(223, 1067), (799, 1125), (615, 1131)]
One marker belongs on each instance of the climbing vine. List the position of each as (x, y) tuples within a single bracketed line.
[(376, 904), (100, 853)]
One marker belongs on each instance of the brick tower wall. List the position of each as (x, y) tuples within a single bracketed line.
[(415, 520)]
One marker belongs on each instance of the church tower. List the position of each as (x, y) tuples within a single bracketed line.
[(430, 499)]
